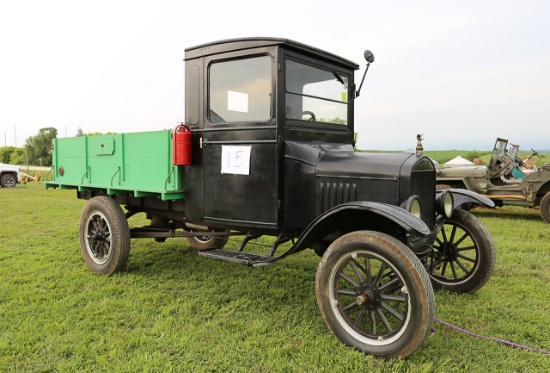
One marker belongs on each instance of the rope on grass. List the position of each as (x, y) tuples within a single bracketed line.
[(489, 338), (508, 343)]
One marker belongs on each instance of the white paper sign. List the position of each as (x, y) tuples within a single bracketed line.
[(236, 159), (237, 101)]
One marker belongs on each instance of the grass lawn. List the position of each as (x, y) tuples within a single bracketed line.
[(171, 310)]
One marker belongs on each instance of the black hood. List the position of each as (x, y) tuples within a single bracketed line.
[(361, 165)]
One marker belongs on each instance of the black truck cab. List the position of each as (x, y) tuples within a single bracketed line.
[(262, 111), (273, 132)]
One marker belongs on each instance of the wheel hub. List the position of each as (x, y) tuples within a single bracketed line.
[(449, 251), (99, 236), (367, 295)]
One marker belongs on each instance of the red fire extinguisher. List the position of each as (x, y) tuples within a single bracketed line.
[(181, 143)]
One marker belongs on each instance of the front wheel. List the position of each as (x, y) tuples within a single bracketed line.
[(8, 181), (463, 256), (104, 235), (545, 207), (375, 295)]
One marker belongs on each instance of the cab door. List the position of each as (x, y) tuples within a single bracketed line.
[(239, 141)]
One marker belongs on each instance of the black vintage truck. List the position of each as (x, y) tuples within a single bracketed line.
[(267, 149)]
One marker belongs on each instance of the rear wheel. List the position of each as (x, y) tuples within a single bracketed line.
[(207, 242), (104, 235), (545, 207), (463, 256), (375, 295)]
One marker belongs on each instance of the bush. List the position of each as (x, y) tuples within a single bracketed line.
[(471, 156), (18, 157), (5, 154)]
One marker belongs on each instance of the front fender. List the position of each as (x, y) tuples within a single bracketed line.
[(462, 196), (355, 216), (397, 215)]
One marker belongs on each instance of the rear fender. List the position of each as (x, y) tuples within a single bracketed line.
[(462, 196)]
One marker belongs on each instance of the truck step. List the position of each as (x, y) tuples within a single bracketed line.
[(236, 256)]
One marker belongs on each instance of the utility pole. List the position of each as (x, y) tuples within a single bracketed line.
[(27, 158), (15, 135)]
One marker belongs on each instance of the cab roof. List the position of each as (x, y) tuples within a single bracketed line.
[(236, 44)]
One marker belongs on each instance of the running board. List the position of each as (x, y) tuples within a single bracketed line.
[(253, 260)]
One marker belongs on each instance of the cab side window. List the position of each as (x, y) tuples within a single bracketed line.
[(240, 90)]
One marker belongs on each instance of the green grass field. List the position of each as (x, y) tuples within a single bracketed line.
[(172, 311)]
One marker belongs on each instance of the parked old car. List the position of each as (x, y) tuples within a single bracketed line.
[(267, 149), (9, 175), (502, 180)]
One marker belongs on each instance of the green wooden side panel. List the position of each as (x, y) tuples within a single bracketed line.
[(139, 162)]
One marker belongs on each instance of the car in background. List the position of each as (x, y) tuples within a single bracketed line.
[(502, 180), (10, 175)]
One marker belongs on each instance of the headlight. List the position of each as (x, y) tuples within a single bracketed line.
[(414, 206), (445, 203)]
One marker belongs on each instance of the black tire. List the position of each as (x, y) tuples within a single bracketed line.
[(8, 181), (207, 242), (104, 235), (375, 295), (464, 254), (545, 207), (159, 222)]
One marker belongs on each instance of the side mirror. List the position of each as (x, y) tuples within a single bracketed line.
[(369, 56)]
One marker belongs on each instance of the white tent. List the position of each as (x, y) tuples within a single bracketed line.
[(458, 161)]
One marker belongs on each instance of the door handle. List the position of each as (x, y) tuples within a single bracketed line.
[(203, 143)]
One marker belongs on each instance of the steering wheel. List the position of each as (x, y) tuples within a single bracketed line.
[(535, 153), (310, 113)]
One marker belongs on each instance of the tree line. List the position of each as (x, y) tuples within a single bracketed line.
[(38, 149)]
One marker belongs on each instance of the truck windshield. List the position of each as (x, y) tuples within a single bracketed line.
[(513, 151), (313, 94)]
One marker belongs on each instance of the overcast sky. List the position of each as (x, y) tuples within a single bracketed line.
[(460, 72)]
